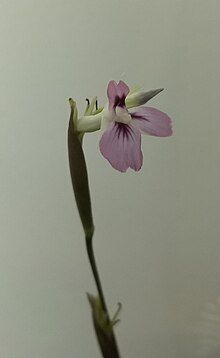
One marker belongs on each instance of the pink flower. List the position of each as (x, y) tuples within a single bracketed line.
[(120, 143)]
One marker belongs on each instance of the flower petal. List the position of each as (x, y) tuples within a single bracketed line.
[(117, 93), (152, 121), (123, 89), (120, 144), (112, 93)]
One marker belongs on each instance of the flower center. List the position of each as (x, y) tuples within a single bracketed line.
[(122, 115)]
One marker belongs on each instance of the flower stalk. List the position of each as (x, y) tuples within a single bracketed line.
[(102, 324)]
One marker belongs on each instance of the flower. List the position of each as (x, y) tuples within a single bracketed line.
[(120, 142)]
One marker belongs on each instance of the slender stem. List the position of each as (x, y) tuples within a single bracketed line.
[(90, 251), (109, 348)]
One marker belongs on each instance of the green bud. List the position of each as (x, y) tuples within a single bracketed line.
[(136, 99)]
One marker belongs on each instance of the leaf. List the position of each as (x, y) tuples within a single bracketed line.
[(79, 174)]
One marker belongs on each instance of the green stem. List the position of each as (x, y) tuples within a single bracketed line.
[(109, 348), (90, 252)]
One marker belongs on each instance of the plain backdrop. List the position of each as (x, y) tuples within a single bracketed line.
[(157, 231)]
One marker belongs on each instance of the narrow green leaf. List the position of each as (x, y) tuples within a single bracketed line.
[(79, 174)]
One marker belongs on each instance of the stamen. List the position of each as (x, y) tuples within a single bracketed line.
[(88, 102)]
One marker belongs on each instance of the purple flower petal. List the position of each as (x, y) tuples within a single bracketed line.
[(117, 93), (152, 121), (120, 144), (112, 93), (123, 89)]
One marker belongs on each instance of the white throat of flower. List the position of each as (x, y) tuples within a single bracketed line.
[(122, 116)]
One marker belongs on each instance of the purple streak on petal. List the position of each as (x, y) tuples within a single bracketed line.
[(152, 121), (117, 94), (120, 144)]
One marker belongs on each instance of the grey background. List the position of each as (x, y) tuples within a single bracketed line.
[(157, 231)]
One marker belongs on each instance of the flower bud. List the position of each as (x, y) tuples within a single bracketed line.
[(136, 99)]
